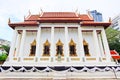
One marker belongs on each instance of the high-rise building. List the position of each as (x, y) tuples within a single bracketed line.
[(97, 16), (116, 22)]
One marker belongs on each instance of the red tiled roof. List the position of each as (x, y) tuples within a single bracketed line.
[(32, 17), (113, 52), (92, 23), (59, 15), (116, 57), (26, 23), (85, 17)]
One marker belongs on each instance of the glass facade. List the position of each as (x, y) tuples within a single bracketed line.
[(96, 16)]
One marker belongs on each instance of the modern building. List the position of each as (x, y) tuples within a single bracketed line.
[(97, 16), (116, 22), (60, 41)]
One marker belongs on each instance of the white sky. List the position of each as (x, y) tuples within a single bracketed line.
[(17, 9)]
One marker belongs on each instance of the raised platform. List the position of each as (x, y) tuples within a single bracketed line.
[(60, 72), (60, 64)]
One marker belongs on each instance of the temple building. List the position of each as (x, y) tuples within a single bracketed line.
[(59, 38)]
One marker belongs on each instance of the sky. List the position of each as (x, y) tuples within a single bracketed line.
[(17, 9)]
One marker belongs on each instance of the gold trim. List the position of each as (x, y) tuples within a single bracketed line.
[(84, 42), (72, 43), (14, 58), (44, 59), (28, 58), (62, 59), (90, 58), (59, 43), (33, 43), (46, 44), (75, 59), (103, 58)]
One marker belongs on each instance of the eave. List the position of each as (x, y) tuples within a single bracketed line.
[(91, 23)]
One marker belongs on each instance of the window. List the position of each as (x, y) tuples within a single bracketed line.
[(46, 50), (59, 48), (86, 50), (72, 48), (33, 48)]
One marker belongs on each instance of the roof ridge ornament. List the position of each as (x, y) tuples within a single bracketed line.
[(9, 21), (29, 12), (110, 19), (24, 18)]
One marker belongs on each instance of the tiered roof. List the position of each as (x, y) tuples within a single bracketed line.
[(59, 17)]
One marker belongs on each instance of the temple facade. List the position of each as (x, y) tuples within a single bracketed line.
[(59, 38)]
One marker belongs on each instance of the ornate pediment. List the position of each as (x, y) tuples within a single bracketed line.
[(72, 42), (33, 43), (59, 43), (84, 42), (47, 43)]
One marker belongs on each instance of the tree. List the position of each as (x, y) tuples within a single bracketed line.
[(113, 37), (6, 48)]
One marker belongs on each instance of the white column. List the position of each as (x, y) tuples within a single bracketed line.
[(22, 45), (106, 47), (96, 45), (101, 45), (17, 45), (66, 54), (37, 55), (12, 48), (52, 47), (80, 38)]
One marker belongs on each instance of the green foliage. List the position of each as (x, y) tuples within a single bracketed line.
[(113, 37), (6, 48), (3, 57)]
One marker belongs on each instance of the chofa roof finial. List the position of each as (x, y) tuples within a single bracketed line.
[(29, 12), (9, 21), (110, 19)]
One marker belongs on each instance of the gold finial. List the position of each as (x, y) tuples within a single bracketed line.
[(110, 19), (72, 42), (34, 42), (47, 43), (9, 21), (84, 42), (59, 42)]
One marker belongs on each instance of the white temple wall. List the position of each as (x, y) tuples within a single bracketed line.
[(88, 37), (59, 34), (30, 37), (27, 28), (45, 35), (73, 34)]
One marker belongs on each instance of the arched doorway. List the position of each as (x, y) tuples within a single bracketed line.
[(72, 48), (33, 48), (59, 48), (86, 50), (46, 50)]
